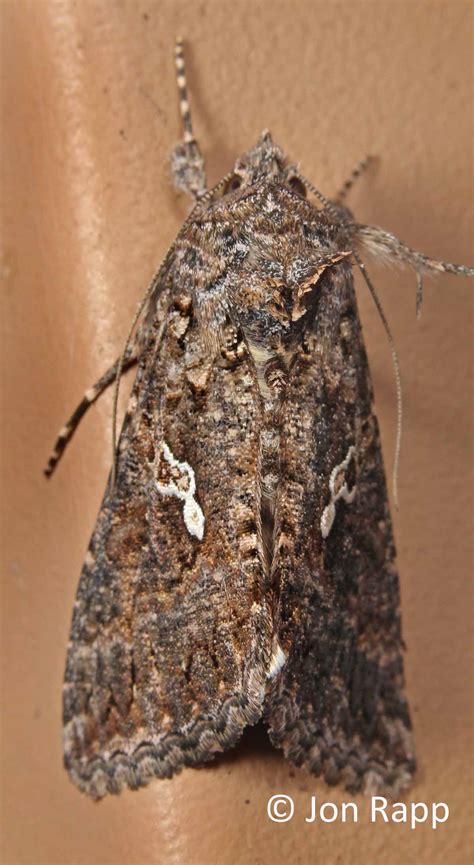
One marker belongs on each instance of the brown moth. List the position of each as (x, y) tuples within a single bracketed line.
[(242, 566)]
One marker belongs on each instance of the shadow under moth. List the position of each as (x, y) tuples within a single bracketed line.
[(243, 566)]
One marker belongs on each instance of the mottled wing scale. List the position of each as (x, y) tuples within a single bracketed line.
[(338, 707), (171, 634)]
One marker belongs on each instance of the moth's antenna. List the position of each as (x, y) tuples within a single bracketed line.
[(183, 91), (360, 168), (141, 306), (330, 206), (396, 367), (322, 198), (89, 398), (419, 293), (187, 163)]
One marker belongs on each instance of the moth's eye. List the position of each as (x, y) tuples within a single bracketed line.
[(297, 186), (234, 183)]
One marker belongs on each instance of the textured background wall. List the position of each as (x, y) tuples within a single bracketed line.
[(90, 115)]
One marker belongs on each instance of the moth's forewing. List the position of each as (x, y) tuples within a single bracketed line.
[(171, 632), (338, 707)]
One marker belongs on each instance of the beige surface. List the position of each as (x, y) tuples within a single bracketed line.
[(90, 116)]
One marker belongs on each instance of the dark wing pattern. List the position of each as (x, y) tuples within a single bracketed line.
[(170, 636), (338, 707)]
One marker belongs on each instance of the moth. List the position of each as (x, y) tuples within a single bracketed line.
[(242, 566)]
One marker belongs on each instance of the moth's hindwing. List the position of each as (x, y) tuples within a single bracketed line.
[(338, 706), (170, 637)]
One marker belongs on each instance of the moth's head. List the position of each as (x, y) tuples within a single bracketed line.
[(265, 161)]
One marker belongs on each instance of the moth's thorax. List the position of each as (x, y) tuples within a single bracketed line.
[(257, 255)]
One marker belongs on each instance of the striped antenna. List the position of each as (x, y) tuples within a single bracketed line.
[(183, 91)]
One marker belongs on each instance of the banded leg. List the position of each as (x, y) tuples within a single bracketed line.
[(187, 163), (91, 395), (360, 168)]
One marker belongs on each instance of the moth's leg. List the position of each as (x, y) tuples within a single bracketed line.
[(360, 168), (89, 397), (187, 163), (387, 247)]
